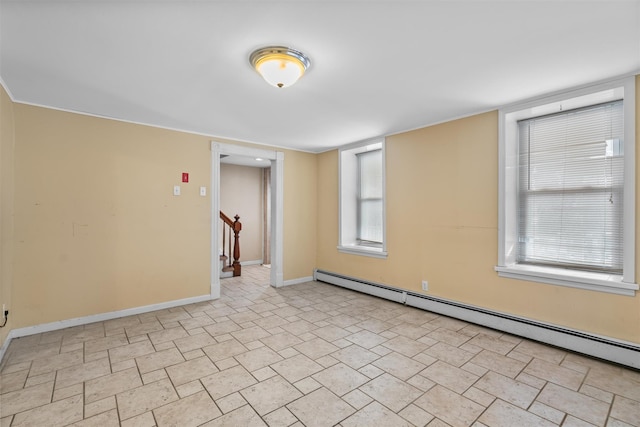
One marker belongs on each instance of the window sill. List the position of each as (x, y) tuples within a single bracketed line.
[(601, 282), (363, 250)]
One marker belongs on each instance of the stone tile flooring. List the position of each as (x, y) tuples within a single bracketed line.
[(305, 355)]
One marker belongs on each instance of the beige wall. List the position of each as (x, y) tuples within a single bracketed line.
[(97, 228), (6, 208), (442, 218), (241, 194), (300, 212)]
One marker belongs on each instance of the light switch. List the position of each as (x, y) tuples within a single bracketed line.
[(176, 190), (203, 191)]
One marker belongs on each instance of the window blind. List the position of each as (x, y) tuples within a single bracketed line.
[(370, 197), (570, 188)]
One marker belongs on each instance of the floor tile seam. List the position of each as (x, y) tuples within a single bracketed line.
[(401, 409), (262, 417), (305, 395), (535, 400), (39, 406), (610, 405), (84, 404), (564, 414), (322, 370), (115, 396), (24, 382), (620, 396), (610, 408), (212, 399), (566, 353), (506, 403), (582, 382), (610, 392)]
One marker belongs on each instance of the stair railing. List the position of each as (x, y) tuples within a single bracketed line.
[(235, 227)]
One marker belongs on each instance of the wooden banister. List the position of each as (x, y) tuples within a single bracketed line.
[(236, 226), (226, 219)]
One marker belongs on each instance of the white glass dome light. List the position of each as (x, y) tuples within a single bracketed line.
[(280, 66)]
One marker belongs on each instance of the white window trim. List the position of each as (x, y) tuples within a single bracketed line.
[(507, 189), (347, 244)]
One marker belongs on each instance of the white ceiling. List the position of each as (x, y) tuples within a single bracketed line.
[(378, 67)]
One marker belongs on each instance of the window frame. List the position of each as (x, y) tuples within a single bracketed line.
[(349, 188), (508, 267)]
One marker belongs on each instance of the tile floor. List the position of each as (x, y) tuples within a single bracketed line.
[(305, 355)]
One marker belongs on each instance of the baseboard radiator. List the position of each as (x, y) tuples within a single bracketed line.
[(624, 353)]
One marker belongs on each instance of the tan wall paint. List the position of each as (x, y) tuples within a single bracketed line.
[(442, 219), (6, 208), (300, 213), (97, 228), (241, 194)]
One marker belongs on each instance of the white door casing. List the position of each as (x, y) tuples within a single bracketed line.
[(277, 207)]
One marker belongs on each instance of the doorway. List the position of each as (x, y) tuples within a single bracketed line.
[(276, 159), (245, 190)]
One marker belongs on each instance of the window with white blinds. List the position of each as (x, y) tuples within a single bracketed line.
[(570, 189), (370, 197), (362, 199)]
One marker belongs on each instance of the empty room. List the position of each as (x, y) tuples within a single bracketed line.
[(319, 213)]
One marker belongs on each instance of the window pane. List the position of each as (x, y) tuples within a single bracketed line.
[(579, 229), (370, 196), (571, 176), (370, 174), (370, 223)]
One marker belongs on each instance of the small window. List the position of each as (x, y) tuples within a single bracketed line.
[(362, 206), (567, 189), (370, 198)]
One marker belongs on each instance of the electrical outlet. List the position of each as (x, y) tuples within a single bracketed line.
[(425, 285)]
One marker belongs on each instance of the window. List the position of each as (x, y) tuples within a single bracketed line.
[(567, 192), (362, 207), (570, 182), (370, 198)]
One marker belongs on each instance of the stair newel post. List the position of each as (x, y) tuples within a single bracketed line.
[(237, 226)]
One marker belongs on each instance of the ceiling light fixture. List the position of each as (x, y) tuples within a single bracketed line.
[(279, 66)]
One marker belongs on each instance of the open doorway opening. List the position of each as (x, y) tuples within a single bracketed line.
[(275, 208), (245, 192)]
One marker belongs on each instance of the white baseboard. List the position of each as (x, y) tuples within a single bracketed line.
[(297, 281), (62, 324), (254, 262), (5, 346), (607, 348)]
